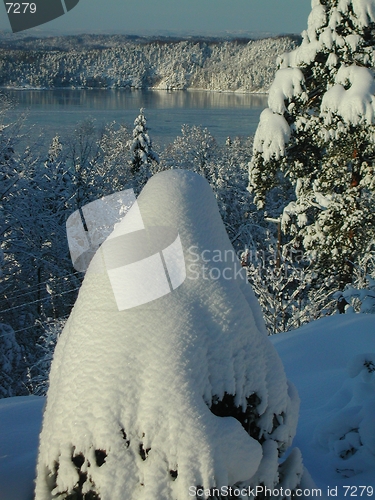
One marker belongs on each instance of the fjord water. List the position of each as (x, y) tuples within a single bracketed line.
[(224, 114)]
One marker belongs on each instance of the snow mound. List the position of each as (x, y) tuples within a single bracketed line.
[(325, 360), (182, 391), (349, 430)]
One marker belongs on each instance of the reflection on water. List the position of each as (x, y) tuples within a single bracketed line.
[(224, 114), (133, 99)]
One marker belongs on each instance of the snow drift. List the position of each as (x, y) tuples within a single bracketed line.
[(331, 361), (182, 391)]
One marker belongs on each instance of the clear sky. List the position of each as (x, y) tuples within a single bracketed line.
[(179, 16)]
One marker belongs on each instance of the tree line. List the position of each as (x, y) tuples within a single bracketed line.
[(80, 62)]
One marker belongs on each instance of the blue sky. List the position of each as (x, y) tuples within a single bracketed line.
[(187, 16)]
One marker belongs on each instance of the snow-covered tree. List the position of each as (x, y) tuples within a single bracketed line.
[(10, 362), (38, 280), (39, 371), (113, 173), (141, 150), (318, 135), (83, 153), (196, 150), (36, 242), (183, 391), (13, 174), (225, 168), (360, 295)]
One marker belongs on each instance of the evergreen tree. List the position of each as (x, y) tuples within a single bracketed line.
[(141, 150), (317, 135), (10, 363)]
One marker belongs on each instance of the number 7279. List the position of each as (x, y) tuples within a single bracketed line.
[(358, 491), (20, 8)]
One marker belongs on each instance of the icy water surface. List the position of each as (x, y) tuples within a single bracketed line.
[(224, 114)]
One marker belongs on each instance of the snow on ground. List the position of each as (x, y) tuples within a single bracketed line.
[(315, 358), (336, 431), (20, 422)]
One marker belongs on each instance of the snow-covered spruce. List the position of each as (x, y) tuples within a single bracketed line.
[(141, 401), (141, 150), (318, 134)]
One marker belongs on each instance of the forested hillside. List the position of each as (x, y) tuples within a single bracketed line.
[(121, 62)]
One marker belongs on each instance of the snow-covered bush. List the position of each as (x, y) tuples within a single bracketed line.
[(318, 133), (360, 295), (289, 293), (39, 371), (359, 299), (180, 392)]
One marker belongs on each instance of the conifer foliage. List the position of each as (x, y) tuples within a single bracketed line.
[(141, 149), (318, 133)]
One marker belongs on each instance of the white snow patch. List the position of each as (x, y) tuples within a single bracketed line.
[(363, 9), (272, 134), (317, 18), (354, 105), (20, 420), (287, 84), (338, 412)]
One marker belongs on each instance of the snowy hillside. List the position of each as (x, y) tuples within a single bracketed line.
[(165, 64), (315, 358)]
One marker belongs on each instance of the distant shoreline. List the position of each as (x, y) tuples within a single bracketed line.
[(130, 89)]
